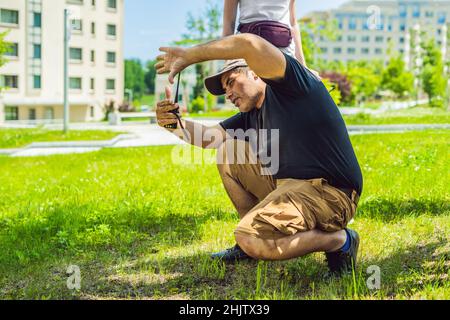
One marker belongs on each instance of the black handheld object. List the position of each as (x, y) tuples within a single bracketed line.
[(176, 112)]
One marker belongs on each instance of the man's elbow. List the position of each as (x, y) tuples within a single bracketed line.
[(250, 43)]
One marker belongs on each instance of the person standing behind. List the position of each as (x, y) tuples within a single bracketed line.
[(270, 16)]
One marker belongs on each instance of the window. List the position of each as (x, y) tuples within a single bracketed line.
[(13, 50), (365, 39), (110, 57), (365, 50), (351, 38), (339, 38), (93, 28), (340, 24), (378, 51), (352, 23), (9, 16), (37, 19), (76, 54), (92, 86), (93, 3), (110, 84), (111, 30), (402, 40), (37, 82), (11, 113), (49, 113), (92, 112), (31, 114), (403, 26), (379, 39), (416, 11), (429, 14), (403, 11), (324, 50), (442, 17), (337, 50), (365, 25), (77, 25), (9, 81), (75, 83), (75, 1), (351, 50), (112, 4), (37, 51), (92, 56)]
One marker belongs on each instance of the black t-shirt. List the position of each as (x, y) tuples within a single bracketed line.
[(313, 139)]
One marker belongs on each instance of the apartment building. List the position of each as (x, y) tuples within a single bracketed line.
[(33, 77), (368, 29)]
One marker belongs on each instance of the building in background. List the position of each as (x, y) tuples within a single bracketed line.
[(33, 76), (369, 28)]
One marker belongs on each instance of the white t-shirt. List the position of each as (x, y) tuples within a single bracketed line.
[(259, 10)]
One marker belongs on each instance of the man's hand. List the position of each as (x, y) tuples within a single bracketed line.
[(173, 62), (163, 114)]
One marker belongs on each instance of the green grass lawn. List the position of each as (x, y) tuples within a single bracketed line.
[(17, 138), (406, 116), (215, 114), (139, 226)]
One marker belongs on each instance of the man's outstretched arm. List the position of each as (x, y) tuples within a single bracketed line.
[(194, 133), (263, 58)]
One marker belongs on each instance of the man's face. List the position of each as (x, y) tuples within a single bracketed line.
[(241, 89)]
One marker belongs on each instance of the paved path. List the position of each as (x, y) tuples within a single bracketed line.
[(143, 134)]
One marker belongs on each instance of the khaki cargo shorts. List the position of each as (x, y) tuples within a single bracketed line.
[(289, 206)]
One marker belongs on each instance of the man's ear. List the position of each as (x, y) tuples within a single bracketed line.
[(253, 75)]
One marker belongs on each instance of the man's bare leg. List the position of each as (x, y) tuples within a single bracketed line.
[(290, 247)]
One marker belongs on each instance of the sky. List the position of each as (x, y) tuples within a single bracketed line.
[(150, 24)]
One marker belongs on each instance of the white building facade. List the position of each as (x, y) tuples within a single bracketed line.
[(368, 29), (33, 77)]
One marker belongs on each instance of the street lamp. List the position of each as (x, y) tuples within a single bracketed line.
[(418, 60), (129, 92), (67, 35)]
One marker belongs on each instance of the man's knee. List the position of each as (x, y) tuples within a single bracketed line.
[(257, 248)]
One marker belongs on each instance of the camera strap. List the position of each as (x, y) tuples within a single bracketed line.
[(176, 113)]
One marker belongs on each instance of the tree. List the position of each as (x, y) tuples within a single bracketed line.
[(396, 79), (135, 77), (341, 82), (150, 76), (311, 31), (202, 28), (432, 75), (365, 78), (4, 48)]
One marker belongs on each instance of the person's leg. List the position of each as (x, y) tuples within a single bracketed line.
[(298, 218), (241, 176), (244, 184), (289, 247)]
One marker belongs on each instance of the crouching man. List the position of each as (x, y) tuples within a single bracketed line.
[(297, 184)]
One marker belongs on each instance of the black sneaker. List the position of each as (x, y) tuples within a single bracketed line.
[(231, 255), (341, 262)]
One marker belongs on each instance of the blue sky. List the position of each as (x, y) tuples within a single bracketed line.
[(150, 24)]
